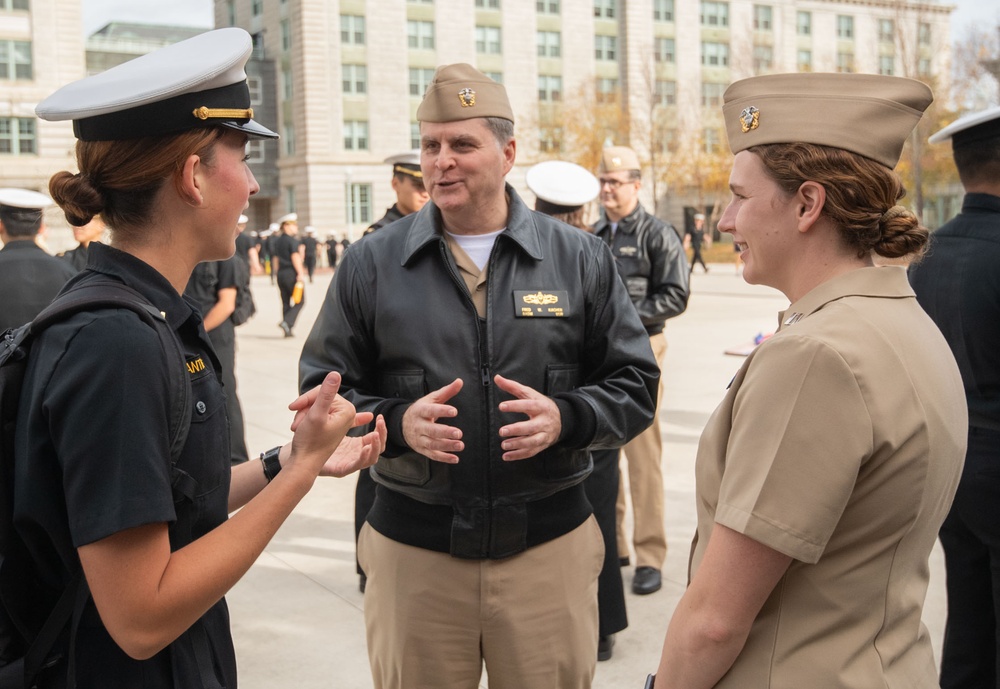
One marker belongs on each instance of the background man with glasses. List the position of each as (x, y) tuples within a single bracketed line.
[(652, 263)]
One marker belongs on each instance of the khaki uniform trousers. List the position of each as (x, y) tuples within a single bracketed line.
[(643, 456), (432, 619)]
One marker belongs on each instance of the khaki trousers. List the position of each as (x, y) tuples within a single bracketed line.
[(643, 456), (432, 619)]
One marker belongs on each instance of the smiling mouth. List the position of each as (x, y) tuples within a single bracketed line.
[(740, 246)]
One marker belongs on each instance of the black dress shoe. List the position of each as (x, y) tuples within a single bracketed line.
[(362, 582), (647, 580), (605, 644)]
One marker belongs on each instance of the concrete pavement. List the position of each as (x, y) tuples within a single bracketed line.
[(297, 615)]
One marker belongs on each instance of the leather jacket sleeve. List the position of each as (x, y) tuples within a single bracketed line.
[(668, 291)]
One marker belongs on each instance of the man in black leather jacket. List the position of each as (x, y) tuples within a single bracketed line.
[(500, 346), (651, 261)]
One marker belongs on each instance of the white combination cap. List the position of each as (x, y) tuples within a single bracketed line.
[(562, 184), (971, 129), (24, 199), (199, 82), (289, 217), (407, 163)]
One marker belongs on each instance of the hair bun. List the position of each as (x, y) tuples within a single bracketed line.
[(78, 198)]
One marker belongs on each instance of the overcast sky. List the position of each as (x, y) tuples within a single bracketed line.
[(97, 13)]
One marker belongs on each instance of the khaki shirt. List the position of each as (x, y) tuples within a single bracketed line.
[(839, 443)]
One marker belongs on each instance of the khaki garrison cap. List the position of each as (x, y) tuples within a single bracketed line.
[(867, 114), (617, 158), (462, 92)]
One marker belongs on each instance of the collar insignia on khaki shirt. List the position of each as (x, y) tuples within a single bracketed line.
[(539, 304), (794, 318)]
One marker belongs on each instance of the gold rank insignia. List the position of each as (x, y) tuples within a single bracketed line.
[(467, 97), (628, 250), (616, 161), (535, 304), (749, 119)]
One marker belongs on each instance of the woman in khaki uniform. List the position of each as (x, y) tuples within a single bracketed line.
[(826, 471)]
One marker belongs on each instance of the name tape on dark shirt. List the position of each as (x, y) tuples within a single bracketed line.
[(541, 304)]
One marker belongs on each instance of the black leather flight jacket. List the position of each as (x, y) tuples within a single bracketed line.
[(399, 322)]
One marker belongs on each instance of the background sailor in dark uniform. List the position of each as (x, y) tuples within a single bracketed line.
[(957, 284), (310, 244), (408, 183), (84, 235), (563, 191), (29, 277)]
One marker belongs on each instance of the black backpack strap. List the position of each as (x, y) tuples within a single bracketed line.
[(109, 294)]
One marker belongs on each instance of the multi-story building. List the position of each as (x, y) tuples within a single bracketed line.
[(350, 74), (41, 48)]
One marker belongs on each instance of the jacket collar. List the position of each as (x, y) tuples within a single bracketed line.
[(626, 224), (981, 202), (886, 282), (141, 277), (521, 228), (22, 245)]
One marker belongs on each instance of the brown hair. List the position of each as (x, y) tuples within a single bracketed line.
[(861, 195), (120, 179)]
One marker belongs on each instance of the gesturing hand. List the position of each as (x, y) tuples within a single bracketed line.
[(422, 432), (322, 419), (524, 439)]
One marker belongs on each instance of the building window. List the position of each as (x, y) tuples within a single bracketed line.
[(549, 88), (495, 76), (352, 29), (255, 151), (845, 62), (230, 12), (607, 90), (549, 44), (665, 92), (15, 60), (355, 80), (359, 204), (17, 136), (924, 33), (257, 7), (605, 47), (256, 90), (286, 35), (288, 137), (663, 10), (664, 49), (714, 13), (258, 46), (804, 60), (355, 135), (713, 141), (605, 8), (711, 94), (886, 65), (420, 79), (420, 35), (414, 135), (804, 23), (715, 54), (488, 40), (763, 58), (886, 31), (286, 83), (762, 18), (13, 4), (488, 4), (924, 67), (290, 199), (550, 140), (845, 26), (547, 6)]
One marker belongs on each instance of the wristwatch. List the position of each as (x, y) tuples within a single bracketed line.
[(271, 462)]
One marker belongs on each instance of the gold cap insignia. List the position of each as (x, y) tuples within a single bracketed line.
[(749, 119), (467, 97), (616, 161)]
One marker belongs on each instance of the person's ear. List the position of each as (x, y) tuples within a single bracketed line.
[(810, 199), (190, 182)]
